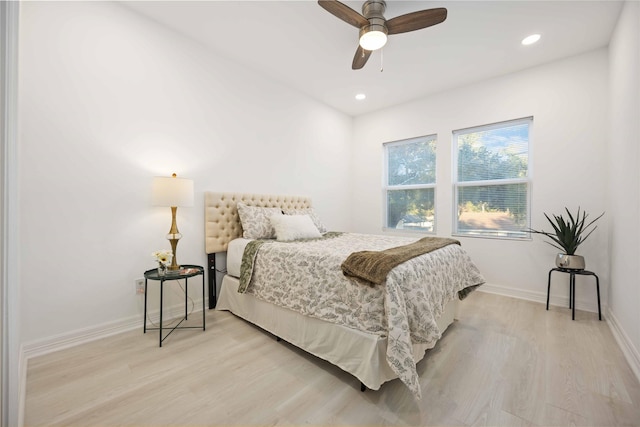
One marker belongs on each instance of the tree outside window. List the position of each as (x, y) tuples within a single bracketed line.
[(492, 182), (410, 177)]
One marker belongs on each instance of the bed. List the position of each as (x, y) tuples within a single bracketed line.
[(374, 341)]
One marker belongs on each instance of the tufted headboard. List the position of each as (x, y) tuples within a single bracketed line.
[(222, 223)]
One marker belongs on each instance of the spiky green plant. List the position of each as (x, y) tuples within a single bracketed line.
[(568, 234)]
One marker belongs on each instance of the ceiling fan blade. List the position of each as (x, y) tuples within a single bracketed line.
[(416, 20), (360, 58), (344, 12)]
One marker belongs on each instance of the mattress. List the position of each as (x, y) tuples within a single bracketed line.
[(234, 255)]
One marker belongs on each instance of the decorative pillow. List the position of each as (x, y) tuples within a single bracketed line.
[(312, 214), (294, 227), (255, 221)]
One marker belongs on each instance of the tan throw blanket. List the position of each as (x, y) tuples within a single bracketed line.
[(373, 266)]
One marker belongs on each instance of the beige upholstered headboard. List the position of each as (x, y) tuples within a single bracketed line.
[(222, 223)]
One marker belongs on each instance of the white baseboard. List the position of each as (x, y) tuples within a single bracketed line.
[(630, 352), (540, 297), (85, 335), (79, 336)]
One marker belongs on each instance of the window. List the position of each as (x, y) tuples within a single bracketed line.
[(491, 182), (410, 181)]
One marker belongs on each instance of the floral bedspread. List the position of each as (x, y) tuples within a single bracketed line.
[(305, 276)]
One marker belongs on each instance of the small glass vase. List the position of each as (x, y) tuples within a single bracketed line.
[(162, 270)]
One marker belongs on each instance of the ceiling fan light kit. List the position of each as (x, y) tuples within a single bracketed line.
[(373, 37), (373, 26)]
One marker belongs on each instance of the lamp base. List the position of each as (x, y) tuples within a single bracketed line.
[(173, 236)]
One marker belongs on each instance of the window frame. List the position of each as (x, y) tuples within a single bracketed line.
[(386, 187), (456, 184)]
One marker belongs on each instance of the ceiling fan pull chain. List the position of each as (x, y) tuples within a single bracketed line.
[(381, 60)]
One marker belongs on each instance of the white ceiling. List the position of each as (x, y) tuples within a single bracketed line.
[(303, 46)]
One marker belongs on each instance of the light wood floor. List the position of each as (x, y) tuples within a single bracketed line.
[(504, 362)]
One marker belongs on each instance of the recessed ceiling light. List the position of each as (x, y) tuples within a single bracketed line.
[(531, 39), (360, 96)]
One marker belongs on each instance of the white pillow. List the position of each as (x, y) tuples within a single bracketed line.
[(312, 214), (294, 227), (255, 221)]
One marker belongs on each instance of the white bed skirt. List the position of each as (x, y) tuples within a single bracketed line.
[(359, 353)]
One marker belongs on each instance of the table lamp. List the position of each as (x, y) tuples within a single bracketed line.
[(173, 192)]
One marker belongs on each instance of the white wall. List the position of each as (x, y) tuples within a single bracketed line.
[(109, 99), (624, 179), (568, 100)]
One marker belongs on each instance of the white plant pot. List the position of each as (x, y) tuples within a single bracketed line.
[(570, 262)]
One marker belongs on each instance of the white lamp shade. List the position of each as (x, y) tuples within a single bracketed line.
[(172, 191)]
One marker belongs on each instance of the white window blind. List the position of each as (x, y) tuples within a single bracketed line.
[(409, 187), (492, 182)]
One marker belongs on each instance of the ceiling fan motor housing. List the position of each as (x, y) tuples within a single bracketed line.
[(374, 10)]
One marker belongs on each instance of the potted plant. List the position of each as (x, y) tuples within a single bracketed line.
[(568, 234)]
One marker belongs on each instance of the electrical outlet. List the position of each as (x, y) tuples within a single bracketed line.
[(139, 286)]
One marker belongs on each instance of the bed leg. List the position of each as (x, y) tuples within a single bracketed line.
[(363, 387), (212, 281)]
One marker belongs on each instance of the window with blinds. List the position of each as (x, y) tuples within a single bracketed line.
[(410, 181), (491, 180)]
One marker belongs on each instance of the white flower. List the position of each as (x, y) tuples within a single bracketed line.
[(163, 257)]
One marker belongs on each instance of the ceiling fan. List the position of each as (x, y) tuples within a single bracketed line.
[(374, 28)]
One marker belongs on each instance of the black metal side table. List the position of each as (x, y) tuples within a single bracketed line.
[(572, 288), (185, 272)]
